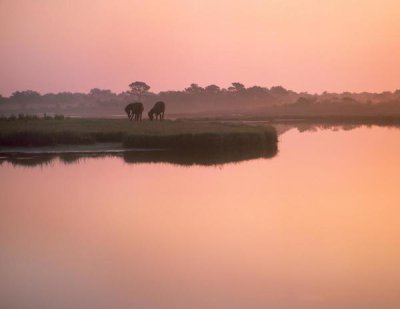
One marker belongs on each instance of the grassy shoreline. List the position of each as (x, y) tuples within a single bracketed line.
[(176, 135)]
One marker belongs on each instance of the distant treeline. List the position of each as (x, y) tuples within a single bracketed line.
[(234, 100), (24, 117)]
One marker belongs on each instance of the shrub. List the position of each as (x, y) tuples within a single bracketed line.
[(59, 117)]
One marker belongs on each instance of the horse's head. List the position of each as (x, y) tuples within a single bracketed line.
[(128, 111), (151, 114)]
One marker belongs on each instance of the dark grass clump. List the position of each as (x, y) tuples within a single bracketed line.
[(33, 139), (27, 117), (58, 117), (203, 141)]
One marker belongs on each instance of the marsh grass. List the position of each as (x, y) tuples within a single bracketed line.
[(221, 141), (177, 135)]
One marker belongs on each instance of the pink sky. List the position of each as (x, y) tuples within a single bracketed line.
[(304, 45)]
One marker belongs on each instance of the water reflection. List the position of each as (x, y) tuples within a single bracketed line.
[(315, 227), (314, 127), (132, 157)]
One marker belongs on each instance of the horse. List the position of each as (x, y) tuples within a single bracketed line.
[(134, 111), (158, 110)]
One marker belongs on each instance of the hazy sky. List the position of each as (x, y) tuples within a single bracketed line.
[(304, 45)]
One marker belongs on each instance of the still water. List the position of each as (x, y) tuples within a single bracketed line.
[(315, 226)]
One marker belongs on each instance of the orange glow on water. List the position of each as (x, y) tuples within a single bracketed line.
[(316, 226)]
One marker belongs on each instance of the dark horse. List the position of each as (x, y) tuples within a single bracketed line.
[(158, 110), (134, 111)]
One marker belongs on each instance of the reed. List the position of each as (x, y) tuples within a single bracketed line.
[(178, 135)]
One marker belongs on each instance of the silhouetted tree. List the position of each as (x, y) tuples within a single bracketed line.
[(138, 89), (304, 102), (65, 97), (256, 91), (101, 95), (194, 89), (213, 89), (238, 87), (100, 92), (278, 90), (27, 96)]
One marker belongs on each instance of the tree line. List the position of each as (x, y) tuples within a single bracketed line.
[(237, 99)]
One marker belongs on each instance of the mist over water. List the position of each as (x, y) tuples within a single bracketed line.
[(313, 226)]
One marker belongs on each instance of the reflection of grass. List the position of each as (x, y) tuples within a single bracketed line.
[(179, 157), (29, 160), (214, 157), (167, 134)]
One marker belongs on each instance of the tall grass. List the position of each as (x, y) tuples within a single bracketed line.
[(182, 135), (203, 141)]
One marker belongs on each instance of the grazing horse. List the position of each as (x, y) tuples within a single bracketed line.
[(158, 110), (134, 111)]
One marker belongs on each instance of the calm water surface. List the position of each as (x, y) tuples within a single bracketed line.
[(317, 226)]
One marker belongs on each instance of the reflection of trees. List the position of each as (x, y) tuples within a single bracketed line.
[(314, 127), (306, 127), (319, 127)]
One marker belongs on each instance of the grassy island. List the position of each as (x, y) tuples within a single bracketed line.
[(177, 135)]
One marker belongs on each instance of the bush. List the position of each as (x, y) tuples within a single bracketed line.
[(47, 117), (59, 117)]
